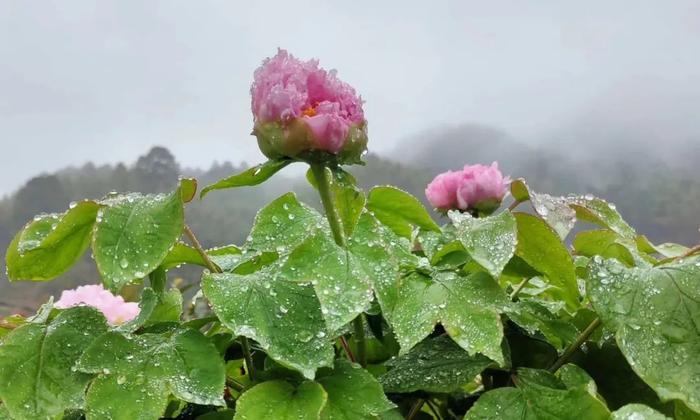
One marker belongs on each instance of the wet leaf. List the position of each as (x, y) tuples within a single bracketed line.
[(399, 210), (49, 245), (37, 379), (353, 393), (282, 401), (133, 235), (655, 313), (533, 317), (637, 412), (490, 241), (538, 395), (468, 308), (434, 365), (540, 247), (602, 213), (284, 317), (253, 176), (137, 374)]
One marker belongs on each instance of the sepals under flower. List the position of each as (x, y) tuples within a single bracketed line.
[(304, 112)]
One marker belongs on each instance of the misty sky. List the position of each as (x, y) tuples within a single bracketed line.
[(105, 80)]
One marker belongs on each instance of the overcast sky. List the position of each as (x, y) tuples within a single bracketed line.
[(104, 80)]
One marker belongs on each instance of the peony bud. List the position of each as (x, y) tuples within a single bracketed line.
[(304, 112), (114, 308), (476, 188)]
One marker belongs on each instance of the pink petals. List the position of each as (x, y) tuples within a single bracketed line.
[(114, 308)]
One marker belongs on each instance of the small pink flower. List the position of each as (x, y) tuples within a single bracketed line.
[(442, 191), (287, 90), (114, 308), (474, 187)]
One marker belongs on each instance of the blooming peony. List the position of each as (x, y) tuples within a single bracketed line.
[(475, 188), (114, 308), (299, 107)]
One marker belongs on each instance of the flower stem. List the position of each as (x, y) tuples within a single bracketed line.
[(359, 335), (575, 345), (415, 409), (245, 345), (518, 289), (195, 243), (324, 189)]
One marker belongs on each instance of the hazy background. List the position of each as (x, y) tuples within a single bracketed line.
[(595, 96)]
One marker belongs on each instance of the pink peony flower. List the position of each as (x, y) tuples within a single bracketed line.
[(114, 308), (287, 91), (476, 187)]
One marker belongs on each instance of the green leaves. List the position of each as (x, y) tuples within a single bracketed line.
[(282, 401), (37, 379), (283, 224), (540, 247), (490, 241), (399, 210), (346, 392), (353, 393), (539, 395), (435, 365), (136, 374), (283, 316), (134, 234), (468, 308), (343, 289), (655, 313), (637, 412), (49, 245), (253, 176)]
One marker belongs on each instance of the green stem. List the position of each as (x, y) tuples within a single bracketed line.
[(575, 345), (323, 184), (518, 289), (245, 345), (324, 189), (415, 409), (359, 330)]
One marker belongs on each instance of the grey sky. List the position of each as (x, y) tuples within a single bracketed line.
[(104, 80)]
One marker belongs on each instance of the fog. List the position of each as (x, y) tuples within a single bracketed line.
[(103, 81)]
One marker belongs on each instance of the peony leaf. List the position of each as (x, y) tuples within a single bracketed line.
[(137, 374), (283, 316), (490, 241), (655, 313), (49, 245), (37, 379), (353, 393), (281, 401), (399, 210), (467, 307), (435, 365), (133, 235), (538, 395), (253, 176), (540, 247)]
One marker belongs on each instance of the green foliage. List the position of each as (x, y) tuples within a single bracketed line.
[(654, 312), (135, 375), (50, 244), (399, 210), (484, 317), (253, 176), (435, 365), (134, 234), (37, 379)]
